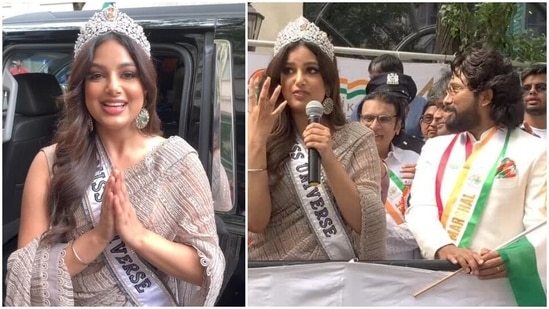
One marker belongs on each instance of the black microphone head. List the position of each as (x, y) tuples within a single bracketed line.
[(314, 108)]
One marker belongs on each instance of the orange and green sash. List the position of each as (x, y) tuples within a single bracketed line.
[(397, 195), (467, 202)]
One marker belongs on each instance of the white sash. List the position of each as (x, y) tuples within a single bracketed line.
[(135, 278), (321, 214)]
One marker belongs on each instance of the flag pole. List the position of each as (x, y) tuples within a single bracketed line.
[(432, 285)]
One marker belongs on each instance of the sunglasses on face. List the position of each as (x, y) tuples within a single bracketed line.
[(382, 119), (427, 118), (538, 87)]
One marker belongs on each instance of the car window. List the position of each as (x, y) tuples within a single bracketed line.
[(31, 60), (170, 69)]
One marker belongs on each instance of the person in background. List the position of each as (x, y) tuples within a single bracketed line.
[(436, 96), (342, 217), (487, 189), (411, 137), (534, 92), (113, 213), (387, 63), (427, 121), (382, 110), (18, 68)]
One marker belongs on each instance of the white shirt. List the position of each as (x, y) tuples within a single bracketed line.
[(398, 157), (401, 244), (542, 133)]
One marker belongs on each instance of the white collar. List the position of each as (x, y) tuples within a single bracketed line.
[(395, 152), (482, 136)]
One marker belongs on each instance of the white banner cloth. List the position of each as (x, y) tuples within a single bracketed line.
[(365, 284)]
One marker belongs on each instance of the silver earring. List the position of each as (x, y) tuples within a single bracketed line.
[(142, 119), (328, 104), (90, 124)]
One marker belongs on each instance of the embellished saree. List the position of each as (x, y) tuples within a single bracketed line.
[(171, 194)]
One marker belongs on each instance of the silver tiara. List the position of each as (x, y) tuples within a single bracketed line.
[(302, 29), (111, 19)]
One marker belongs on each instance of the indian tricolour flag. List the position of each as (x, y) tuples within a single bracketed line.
[(526, 262), (351, 92)]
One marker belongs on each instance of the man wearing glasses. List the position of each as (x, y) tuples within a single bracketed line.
[(383, 110), (479, 188), (534, 87), (427, 121)]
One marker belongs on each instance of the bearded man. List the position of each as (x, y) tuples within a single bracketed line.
[(477, 189)]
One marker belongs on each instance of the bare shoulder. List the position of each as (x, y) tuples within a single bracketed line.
[(34, 205), (39, 167)]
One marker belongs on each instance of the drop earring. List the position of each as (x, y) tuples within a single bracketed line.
[(90, 124), (328, 104), (142, 119)]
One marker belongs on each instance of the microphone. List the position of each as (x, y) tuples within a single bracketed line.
[(314, 111)]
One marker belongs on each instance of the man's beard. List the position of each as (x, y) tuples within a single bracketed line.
[(536, 110), (464, 120)]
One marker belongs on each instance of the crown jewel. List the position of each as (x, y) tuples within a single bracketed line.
[(111, 20), (302, 29)]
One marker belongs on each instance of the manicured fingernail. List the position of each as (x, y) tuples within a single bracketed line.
[(475, 273), (480, 262)]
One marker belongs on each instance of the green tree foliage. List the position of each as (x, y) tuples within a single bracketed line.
[(487, 25)]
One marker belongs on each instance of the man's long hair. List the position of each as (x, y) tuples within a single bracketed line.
[(487, 69)]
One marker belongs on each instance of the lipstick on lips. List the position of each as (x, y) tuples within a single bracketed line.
[(114, 106)]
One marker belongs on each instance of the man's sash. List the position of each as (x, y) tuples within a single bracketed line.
[(466, 203), (397, 196), (319, 209), (134, 277)]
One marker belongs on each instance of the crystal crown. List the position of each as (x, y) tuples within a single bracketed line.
[(302, 29), (111, 19)]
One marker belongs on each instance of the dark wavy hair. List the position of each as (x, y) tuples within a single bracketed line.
[(281, 139), (75, 154), (537, 69), (487, 69), (396, 100)]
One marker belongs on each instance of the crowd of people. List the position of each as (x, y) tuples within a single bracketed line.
[(466, 167)]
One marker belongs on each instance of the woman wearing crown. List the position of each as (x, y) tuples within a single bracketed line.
[(340, 219), (113, 214)]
